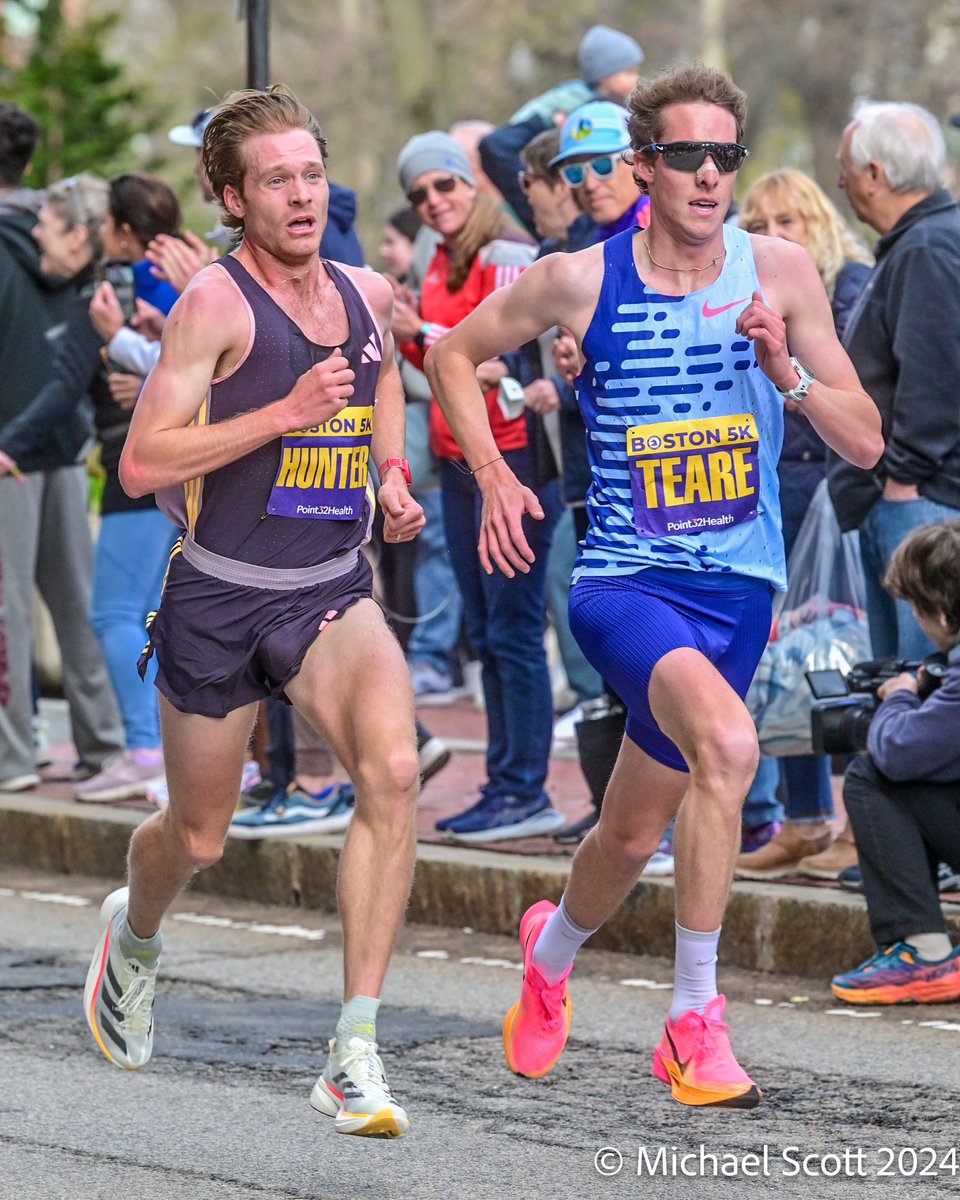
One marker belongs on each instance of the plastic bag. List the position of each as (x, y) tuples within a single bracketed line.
[(819, 622)]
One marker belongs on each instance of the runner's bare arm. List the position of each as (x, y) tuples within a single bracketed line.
[(798, 322), (205, 337), (402, 514), (548, 293)]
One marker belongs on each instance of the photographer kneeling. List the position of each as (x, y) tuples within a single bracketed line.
[(903, 795)]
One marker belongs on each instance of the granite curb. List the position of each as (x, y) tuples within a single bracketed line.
[(770, 927)]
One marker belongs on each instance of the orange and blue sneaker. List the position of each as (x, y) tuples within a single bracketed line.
[(536, 1029), (695, 1058), (897, 975)]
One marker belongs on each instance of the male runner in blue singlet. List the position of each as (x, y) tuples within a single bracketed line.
[(693, 335), (276, 385)]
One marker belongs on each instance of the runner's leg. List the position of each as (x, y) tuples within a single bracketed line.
[(204, 760), (354, 685)]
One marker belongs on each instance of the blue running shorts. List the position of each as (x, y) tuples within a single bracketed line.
[(626, 623)]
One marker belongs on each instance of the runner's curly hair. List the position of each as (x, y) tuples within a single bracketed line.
[(689, 83)]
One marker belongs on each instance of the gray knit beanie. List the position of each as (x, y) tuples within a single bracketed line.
[(605, 51), (433, 151)]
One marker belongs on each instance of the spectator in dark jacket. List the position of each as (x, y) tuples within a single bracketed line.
[(903, 795), (902, 337), (44, 535), (135, 537), (789, 204)]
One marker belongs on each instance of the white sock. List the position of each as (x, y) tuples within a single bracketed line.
[(931, 947), (144, 950), (694, 972), (558, 944), (358, 1018)]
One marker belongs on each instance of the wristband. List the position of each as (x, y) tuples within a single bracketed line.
[(400, 463)]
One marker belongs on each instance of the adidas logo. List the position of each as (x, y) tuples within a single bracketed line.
[(371, 351)]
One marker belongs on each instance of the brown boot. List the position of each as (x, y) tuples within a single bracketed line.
[(836, 858), (781, 854)]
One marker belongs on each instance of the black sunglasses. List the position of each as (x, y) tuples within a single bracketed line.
[(690, 156), (445, 186)]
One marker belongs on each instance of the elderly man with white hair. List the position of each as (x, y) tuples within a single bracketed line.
[(903, 337)]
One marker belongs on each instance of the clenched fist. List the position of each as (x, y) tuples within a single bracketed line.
[(319, 393)]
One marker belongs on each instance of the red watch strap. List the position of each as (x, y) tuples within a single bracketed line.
[(395, 462)]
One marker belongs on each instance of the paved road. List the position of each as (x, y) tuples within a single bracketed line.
[(249, 995)]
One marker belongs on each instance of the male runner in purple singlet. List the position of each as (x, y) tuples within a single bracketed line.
[(276, 386)]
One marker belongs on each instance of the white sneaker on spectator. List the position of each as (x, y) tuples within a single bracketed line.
[(563, 730), (125, 776), (19, 783), (432, 688), (473, 683)]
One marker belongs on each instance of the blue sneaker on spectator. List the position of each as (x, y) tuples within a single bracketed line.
[(851, 879), (297, 811), (502, 818), (482, 805)]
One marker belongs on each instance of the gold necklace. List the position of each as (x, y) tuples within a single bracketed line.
[(680, 270)]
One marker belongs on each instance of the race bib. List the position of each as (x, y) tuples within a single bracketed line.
[(323, 470), (700, 474)]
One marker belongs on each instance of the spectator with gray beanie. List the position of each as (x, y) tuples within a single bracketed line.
[(609, 68)]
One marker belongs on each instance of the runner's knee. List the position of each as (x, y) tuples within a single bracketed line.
[(728, 754)]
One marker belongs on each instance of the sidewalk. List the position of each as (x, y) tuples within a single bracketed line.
[(800, 927)]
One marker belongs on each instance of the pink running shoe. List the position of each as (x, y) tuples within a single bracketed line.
[(695, 1058), (536, 1029)]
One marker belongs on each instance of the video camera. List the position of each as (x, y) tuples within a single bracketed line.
[(845, 704)]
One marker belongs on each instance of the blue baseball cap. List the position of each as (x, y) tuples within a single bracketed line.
[(599, 127)]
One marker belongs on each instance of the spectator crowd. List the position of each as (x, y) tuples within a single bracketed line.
[(90, 270)]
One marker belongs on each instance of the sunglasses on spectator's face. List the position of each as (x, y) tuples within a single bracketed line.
[(690, 156), (444, 186), (527, 179), (601, 166)]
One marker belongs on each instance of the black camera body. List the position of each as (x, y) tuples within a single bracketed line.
[(844, 704)]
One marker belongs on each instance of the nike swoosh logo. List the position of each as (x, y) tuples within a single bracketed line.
[(715, 312)]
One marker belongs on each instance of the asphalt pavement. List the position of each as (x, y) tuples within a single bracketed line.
[(856, 1105)]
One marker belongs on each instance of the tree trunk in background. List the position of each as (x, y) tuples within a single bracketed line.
[(411, 52), (713, 40)]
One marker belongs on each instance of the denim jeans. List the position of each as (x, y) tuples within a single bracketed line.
[(806, 791), (433, 641), (762, 805), (129, 565), (894, 631), (505, 621)]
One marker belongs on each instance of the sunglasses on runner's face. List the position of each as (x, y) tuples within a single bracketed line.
[(601, 166), (690, 156), (444, 186)]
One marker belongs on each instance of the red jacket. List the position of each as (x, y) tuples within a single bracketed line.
[(496, 265)]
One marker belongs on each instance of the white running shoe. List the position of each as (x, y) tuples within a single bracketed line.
[(118, 996), (354, 1090)]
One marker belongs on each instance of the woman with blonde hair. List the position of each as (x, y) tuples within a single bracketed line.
[(789, 204)]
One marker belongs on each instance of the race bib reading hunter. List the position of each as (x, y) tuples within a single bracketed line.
[(323, 470), (694, 475)]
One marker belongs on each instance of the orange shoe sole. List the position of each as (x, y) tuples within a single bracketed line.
[(669, 1072), (934, 991)]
